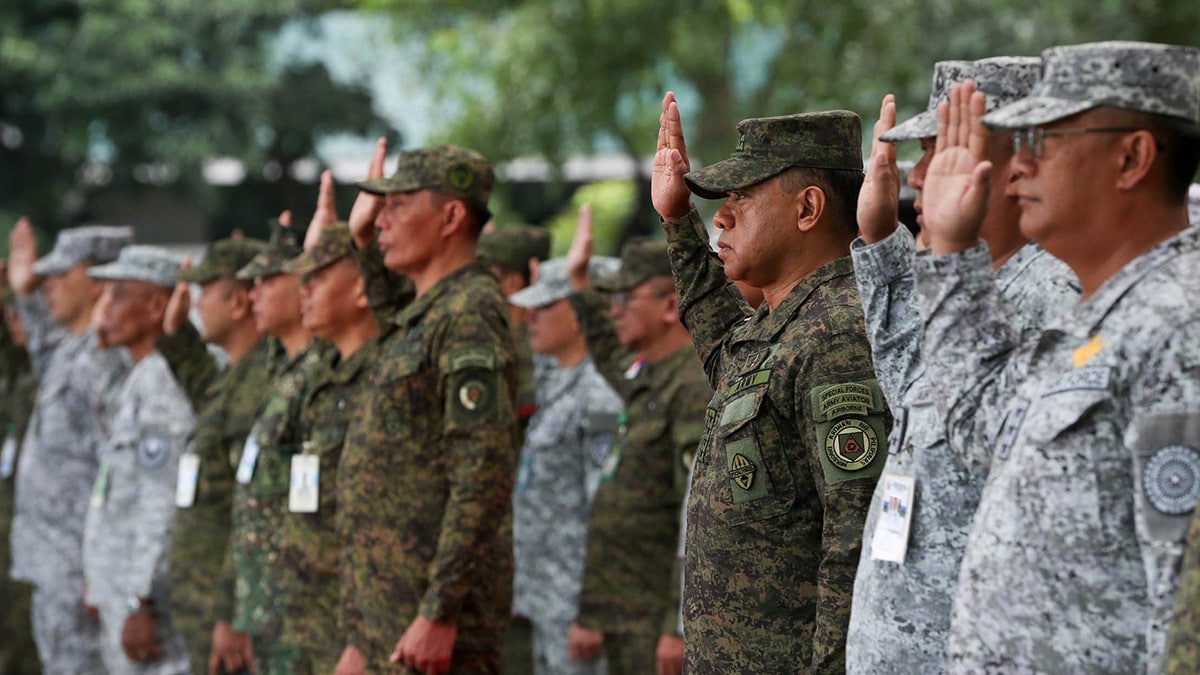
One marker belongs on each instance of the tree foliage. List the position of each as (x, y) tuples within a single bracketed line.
[(120, 94), (555, 78)]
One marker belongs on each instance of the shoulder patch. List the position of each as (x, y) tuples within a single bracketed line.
[(1171, 480), (471, 357), (153, 450), (850, 428)]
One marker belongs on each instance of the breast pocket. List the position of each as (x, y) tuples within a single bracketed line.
[(758, 481)]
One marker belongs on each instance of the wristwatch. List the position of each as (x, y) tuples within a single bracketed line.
[(139, 604)]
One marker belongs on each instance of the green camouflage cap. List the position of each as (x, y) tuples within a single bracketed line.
[(281, 248), (223, 258), (447, 169), (151, 264), (1002, 79), (641, 259), (554, 284), (771, 145), (335, 243), (1139, 76), (514, 245)]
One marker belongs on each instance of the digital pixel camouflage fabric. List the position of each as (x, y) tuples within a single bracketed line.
[(425, 480), (793, 445)]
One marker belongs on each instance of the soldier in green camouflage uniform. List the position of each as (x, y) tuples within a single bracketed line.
[(426, 474), (18, 390), (794, 437), (629, 605), (201, 575), (508, 250), (337, 309)]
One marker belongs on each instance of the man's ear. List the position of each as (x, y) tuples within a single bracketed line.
[(810, 206), (361, 300), (455, 217), (670, 313), (1138, 152), (240, 309)]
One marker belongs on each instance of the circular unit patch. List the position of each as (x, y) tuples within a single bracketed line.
[(851, 444), (1171, 480), (153, 451), (475, 396)]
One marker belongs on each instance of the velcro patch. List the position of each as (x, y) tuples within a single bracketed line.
[(153, 451), (850, 428), (1081, 379)]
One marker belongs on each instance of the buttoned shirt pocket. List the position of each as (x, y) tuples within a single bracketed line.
[(399, 382), (758, 482)]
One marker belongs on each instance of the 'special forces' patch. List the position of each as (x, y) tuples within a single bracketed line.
[(152, 451), (850, 424), (1171, 480), (851, 444)]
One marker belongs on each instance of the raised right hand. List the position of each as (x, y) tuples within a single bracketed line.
[(879, 199), (367, 206), (580, 253), (22, 253)]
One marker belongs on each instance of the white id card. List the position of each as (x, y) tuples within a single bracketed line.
[(185, 485), (245, 470), (305, 485), (8, 456), (890, 540)]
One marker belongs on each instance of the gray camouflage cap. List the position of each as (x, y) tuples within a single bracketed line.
[(514, 245), (281, 247), (553, 284), (641, 259), (90, 244), (771, 145), (223, 259), (447, 169), (1002, 79), (334, 244), (152, 264), (1139, 76)]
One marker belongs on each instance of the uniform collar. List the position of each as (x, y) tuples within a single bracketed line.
[(411, 315), (767, 325)]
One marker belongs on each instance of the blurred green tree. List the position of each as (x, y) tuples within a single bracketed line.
[(556, 78), (120, 95)]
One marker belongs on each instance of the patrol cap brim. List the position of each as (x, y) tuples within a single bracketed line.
[(52, 264), (718, 180), (620, 281), (383, 186), (1035, 111), (116, 271), (537, 296), (923, 125), (306, 263)]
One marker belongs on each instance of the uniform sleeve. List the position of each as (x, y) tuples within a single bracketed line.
[(709, 304), (884, 272), (477, 376), (165, 421), (846, 427), (599, 431), (387, 292), (42, 333), (970, 333), (610, 357), (191, 363), (687, 426)]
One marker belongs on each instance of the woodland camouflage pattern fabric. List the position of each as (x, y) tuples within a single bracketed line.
[(1151, 78), (201, 576), (425, 480), (631, 572), (308, 543), (260, 506), (901, 613), (1092, 426), (793, 444)]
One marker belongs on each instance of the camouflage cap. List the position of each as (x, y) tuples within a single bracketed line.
[(335, 243), (771, 145), (447, 169), (514, 245), (223, 258), (1140, 76), (152, 264), (281, 247), (1002, 79), (553, 284), (1194, 204), (91, 244), (641, 259)]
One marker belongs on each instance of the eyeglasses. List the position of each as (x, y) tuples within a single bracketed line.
[(1034, 137), (622, 298)]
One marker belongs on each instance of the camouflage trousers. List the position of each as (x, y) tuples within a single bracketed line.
[(18, 653), (632, 653), (114, 610), (68, 642)]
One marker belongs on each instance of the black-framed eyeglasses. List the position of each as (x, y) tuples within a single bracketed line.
[(622, 298), (1034, 137)]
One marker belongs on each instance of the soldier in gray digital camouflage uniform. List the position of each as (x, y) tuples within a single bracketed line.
[(127, 539), (60, 454), (559, 468), (1071, 561), (900, 616)]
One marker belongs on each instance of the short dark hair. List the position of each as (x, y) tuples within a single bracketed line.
[(841, 188), (1179, 147), (478, 214)]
